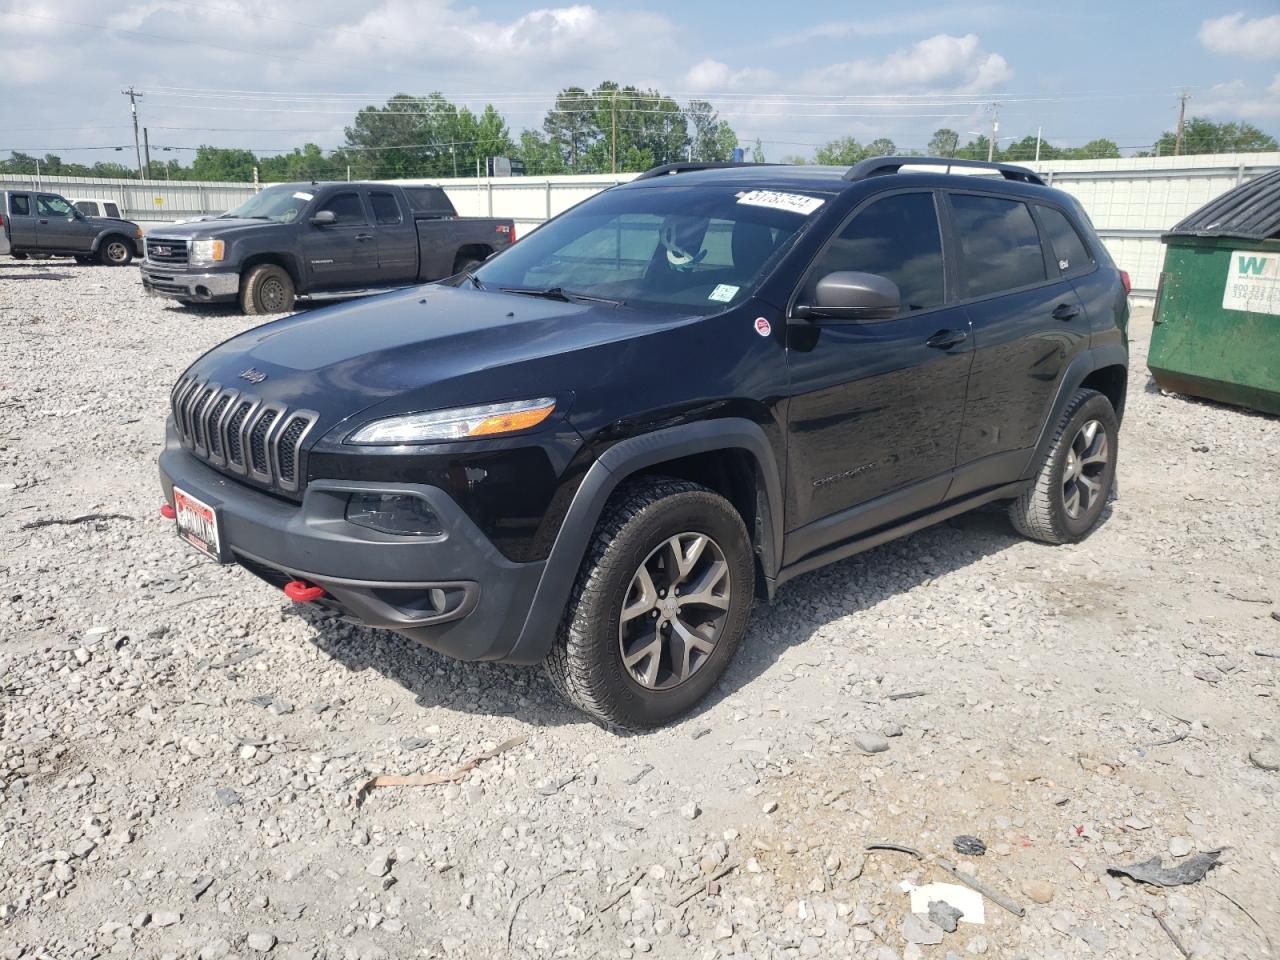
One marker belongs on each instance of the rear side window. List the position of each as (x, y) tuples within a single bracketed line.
[(999, 244), (1069, 251), (20, 205), (112, 210), (429, 201), (896, 237), (87, 207), (346, 207), (385, 209)]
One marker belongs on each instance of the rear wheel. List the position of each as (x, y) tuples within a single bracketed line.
[(660, 605), (266, 288), (115, 252), (465, 264), (18, 256), (1066, 500)]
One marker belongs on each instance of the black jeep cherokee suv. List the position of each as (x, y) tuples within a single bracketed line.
[(597, 449)]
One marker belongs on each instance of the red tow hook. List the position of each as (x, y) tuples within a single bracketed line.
[(167, 511), (299, 591)]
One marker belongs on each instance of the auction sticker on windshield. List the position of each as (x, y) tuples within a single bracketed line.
[(775, 200), (197, 524), (300, 195)]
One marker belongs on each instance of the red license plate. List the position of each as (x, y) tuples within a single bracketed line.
[(198, 524)]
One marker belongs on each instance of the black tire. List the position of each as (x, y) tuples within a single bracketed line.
[(1043, 512), (586, 663), (18, 256), (84, 260), (465, 264), (266, 288), (115, 251)]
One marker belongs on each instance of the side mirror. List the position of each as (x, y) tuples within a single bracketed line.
[(324, 218), (850, 296)]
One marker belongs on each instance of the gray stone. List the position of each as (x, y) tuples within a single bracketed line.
[(261, 941), (1265, 758), (870, 742), (380, 865), (918, 930), (944, 915), (165, 918)]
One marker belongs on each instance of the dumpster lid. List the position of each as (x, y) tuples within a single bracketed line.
[(1250, 211)]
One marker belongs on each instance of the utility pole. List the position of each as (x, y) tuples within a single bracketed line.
[(1038, 131), (146, 150), (614, 113), (995, 128), (133, 95), (1182, 115)]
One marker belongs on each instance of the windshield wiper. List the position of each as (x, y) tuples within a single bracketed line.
[(560, 293)]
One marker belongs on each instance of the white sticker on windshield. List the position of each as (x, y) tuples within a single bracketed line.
[(303, 196), (794, 202), (723, 292)]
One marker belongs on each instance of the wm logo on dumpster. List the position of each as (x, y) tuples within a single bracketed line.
[(1254, 266)]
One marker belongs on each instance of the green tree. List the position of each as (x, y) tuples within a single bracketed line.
[(757, 152), (1202, 135), (220, 163), (571, 128), (881, 147), (1099, 149), (713, 138), (1025, 149), (795, 159), (841, 152), (944, 143), (976, 149)]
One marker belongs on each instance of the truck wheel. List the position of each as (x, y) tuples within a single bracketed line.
[(83, 259), (18, 256), (465, 265), (659, 607), (115, 252), (266, 288), (1066, 500)]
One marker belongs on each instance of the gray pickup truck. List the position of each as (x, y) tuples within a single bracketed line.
[(315, 241), (34, 223)]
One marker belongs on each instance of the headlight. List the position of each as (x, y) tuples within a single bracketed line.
[(206, 251), (461, 423), (402, 514)]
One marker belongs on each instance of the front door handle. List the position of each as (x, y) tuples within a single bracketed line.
[(1065, 311), (44, 221), (364, 236), (946, 339)]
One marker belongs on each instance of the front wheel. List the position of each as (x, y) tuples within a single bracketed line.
[(1065, 502), (266, 289), (660, 605), (115, 252), (83, 260)]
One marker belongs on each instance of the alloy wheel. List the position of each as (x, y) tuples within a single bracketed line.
[(116, 251), (1082, 474), (674, 611)]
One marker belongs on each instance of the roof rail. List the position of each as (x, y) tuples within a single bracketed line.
[(664, 169), (879, 166)]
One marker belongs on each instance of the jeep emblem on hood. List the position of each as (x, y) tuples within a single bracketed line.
[(252, 375)]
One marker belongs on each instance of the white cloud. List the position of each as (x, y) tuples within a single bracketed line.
[(1235, 36), (916, 21), (1238, 99), (712, 76), (942, 62)]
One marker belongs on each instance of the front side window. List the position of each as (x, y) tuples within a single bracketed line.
[(697, 248), (385, 209), (1069, 251), (895, 237), (346, 207), (20, 205), (999, 244), (47, 205)]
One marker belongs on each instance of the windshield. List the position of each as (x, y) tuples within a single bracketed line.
[(700, 248), (282, 204)]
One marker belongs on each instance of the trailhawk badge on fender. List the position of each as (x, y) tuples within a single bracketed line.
[(762, 327)]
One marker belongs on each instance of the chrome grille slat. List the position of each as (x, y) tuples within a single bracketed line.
[(238, 433), (176, 252)]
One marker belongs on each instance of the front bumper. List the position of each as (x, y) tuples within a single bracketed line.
[(165, 281), (455, 593)]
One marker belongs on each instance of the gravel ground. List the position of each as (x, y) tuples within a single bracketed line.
[(182, 747)]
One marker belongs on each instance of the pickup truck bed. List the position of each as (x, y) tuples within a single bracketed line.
[(319, 241)]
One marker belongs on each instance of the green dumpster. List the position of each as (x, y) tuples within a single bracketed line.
[(1217, 310)]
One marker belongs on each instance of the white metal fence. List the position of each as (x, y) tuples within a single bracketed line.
[(1132, 201)]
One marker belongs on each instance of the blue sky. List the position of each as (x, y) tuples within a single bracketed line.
[(272, 76)]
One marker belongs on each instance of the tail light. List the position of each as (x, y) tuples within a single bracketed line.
[(509, 230), (1128, 284), (1, 221), (513, 233)]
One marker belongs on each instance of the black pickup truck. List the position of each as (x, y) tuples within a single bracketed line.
[(318, 241)]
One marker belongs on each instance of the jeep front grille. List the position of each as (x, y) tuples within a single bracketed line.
[(168, 252), (238, 433)]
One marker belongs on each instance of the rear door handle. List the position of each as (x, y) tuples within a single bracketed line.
[(44, 221), (1065, 311), (946, 339)]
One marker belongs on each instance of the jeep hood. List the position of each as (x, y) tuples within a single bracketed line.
[(428, 348)]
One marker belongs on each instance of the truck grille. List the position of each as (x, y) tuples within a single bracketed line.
[(239, 434), (160, 250)]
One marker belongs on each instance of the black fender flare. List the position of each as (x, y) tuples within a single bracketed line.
[(114, 232), (1095, 358), (616, 464)]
